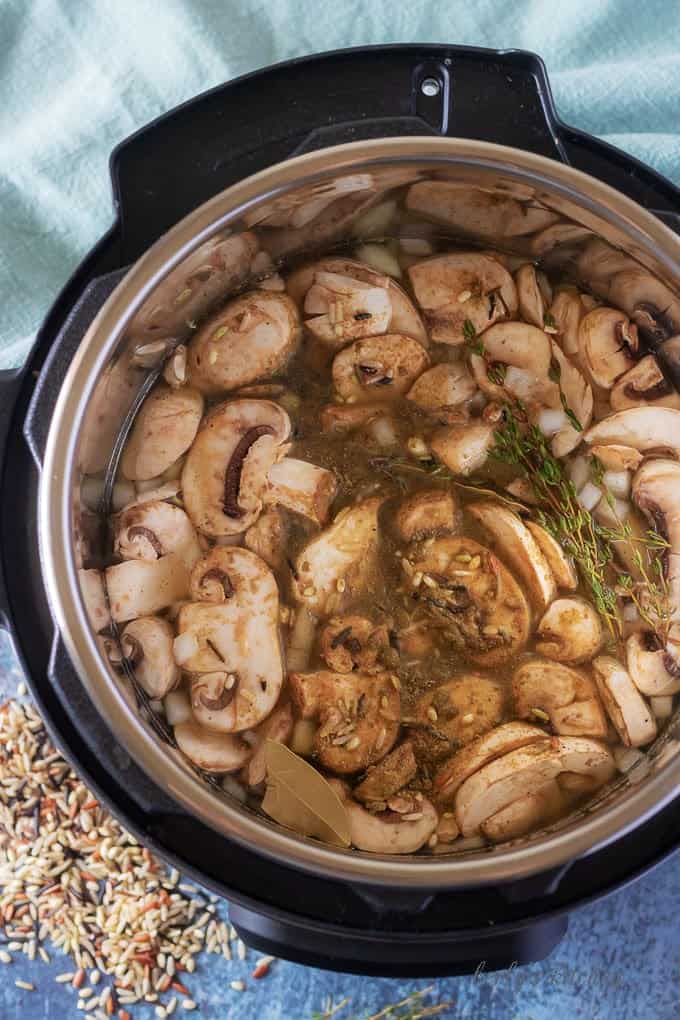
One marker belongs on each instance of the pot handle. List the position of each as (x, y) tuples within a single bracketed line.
[(10, 383)]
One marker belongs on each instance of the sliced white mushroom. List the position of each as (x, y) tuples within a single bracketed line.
[(463, 449), (608, 342), (473, 598), (426, 512), (251, 338), (348, 417), (459, 287), (473, 756), (268, 537), (319, 221), (644, 384), (343, 308), (656, 491), (232, 640), (567, 697), (378, 368), (403, 317), (518, 547), (529, 296), (358, 715), (642, 428), (147, 643), (338, 565), (164, 429), (566, 311), (525, 814), (526, 353), (560, 236), (652, 670), (631, 715), (560, 563), (302, 487), (599, 262), (144, 587), (389, 832), (212, 752), (617, 458), (353, 642), (569, 631), (148, 530), (524, 771), (442, 388), (454, 713), (479, 214), (578, 396), (94, 598), (225, 474), (279, 727), (389, 776), (648, 301)]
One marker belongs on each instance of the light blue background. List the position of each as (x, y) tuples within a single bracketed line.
[(75, 79)]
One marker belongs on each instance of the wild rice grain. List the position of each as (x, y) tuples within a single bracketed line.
[(26, 985)]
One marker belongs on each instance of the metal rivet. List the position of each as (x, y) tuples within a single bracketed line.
[(430, 87)]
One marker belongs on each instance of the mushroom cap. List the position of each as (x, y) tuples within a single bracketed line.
[(236, 445), (425, 512), (378, 368), (648, 663), (390, 775), (145, 531), (477, 213), (144, 587), (607, 344), (455, 713), (442, 387), (642, 428), (251, 338), (648, 301), (156, 669), (569, 631), (388, 832), (462, 448), (568, 696), (520, 346), (353, 642), (644, 384), (631, 715), (213, 752), (441, 283), (561, 565), (164, 429)]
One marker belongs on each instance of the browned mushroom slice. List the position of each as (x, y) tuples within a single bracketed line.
[(561, 565), (251, 338), (560, 236), (463, 448), (648, 664), (268, 537), (144, 587), (472, 597), (617, 458), (164, 429), (576, 392), (343, 308), (213, 752), (358, 716), (442, 388), (338, 565), (426, 512), (608, 342), (378, 368), (279, 727), (454, 713), (545, 690), (569, 631), (480, 752), (146, 531), (390, 831), (649, 302), (644, 384), (302, 487), (517, 359), (599, 262), (225, 473), (94, 598), (465, 286), (147, 643), (627, 709), (477, 213), (353, 642), (526, 814), (566, 312), (531, 301), (389, 776), (642, 428)]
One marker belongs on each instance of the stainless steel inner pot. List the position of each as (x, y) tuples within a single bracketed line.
[(546, 210)]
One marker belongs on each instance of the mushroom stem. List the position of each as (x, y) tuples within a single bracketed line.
[(232, 479), (225, 697)]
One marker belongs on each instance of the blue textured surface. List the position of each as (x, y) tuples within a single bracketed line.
[(620, 960)]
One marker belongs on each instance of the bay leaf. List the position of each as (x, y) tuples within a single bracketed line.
[(299, 797)]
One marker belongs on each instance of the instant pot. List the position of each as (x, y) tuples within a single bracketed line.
[(341, 130)]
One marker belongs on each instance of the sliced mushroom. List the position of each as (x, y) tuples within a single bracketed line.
[(526, 353), (656, 491), (353, 642), (644, 384), (529, 296), (566, 311), (233, 636), (524, 771), (389, 776), (378, 368), (560, 236), (279, 727), (150, 642), (144, 587), (476, 213), (268, 537), (164, 429), (618, 458), (94, 598), (599, 262), (526, 814), (561, 565), (472, 597), (251, 338), (442, 388), (358, 716), (642, 428), (455, 713), (338, 565), (146, 531), (424, 513), (345, 309), (578, 396), (569, 631), (648, 664), (225, 474), (464, 286), (566, 696), (212, 752), (631, 715), (403, 317), (347, 417), (463, 449), (389, 832), (648, 301), (519, 549), (473, 756), (608, 342), (302, 487)]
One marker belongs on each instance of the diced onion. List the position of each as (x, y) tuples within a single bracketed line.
[(589, 496), (629, 758), (662, 706), (415, 246), (383, 431), (520, 383), (184, 647), (379, 257), (618, 483), (551, 421), (177, 708), (579, 472), (630, 613)]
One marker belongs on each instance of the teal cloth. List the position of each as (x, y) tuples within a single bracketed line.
[(77, 77)]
